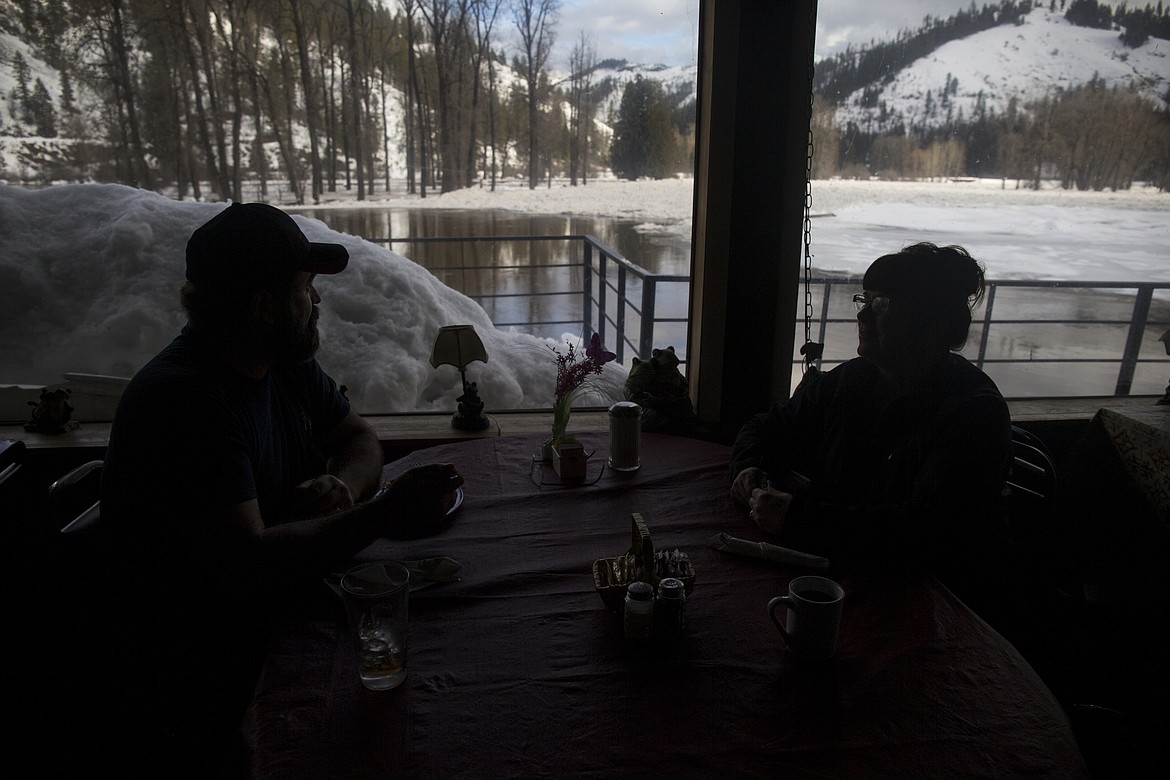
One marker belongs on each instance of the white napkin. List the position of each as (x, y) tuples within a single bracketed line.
[(769, 552)]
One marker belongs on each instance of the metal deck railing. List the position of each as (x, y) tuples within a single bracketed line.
[(1136, 299), (615, 296), (610, 295)]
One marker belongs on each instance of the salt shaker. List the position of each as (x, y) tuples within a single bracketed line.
[(670, 612), (625, 436), (639, 612)]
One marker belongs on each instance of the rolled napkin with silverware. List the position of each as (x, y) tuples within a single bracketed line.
[(768, 552)]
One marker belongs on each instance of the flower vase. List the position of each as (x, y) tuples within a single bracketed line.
[(561, 412)]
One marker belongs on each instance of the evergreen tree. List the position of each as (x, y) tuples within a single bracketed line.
[(643, 137), (1088, 13), (21, 108), (67, 97), (43, 114)]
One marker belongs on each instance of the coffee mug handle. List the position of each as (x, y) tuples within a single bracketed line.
[(778, 601)]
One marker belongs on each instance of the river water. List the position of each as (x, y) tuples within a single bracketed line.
[(534, 286), (657, 252)]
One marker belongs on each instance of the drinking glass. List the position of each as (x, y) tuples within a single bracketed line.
[(376, 599)]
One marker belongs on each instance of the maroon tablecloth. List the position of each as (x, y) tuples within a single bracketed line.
[(519, 670)]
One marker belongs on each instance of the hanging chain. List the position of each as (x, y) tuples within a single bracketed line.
[(808, 302), (812, 352)]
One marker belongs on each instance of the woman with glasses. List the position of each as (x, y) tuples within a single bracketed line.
[(895, 459)]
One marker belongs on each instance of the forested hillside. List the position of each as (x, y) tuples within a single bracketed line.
[(203, 96), (1073, 91), (297, 99)]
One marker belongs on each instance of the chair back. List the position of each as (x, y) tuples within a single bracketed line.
[(73, 499), (1030, 494), (1032, 475), (15, 493), (11, 459)]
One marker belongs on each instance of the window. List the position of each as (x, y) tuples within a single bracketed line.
[(937, 129)]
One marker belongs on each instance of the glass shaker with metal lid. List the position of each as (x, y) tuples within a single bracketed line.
[(625, 436)]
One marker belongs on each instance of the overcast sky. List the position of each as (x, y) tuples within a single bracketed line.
[(666, 31)]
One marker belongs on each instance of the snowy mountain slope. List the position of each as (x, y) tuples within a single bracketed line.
[(1025, 61), (618, 74)]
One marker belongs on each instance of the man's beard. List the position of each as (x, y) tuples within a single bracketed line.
[(293, 342)]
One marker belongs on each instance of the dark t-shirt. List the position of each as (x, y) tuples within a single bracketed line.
[(914, 486), (187, 617), (192, 435)]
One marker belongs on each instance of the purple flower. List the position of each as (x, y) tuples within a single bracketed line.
[(572, 371), (597, 353)]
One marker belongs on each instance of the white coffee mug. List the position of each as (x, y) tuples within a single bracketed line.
[(814, 615)]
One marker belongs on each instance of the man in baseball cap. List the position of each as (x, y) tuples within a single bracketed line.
[(236, 476), (248, 243)]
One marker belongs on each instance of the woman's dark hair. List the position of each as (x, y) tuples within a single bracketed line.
[(939, 287)]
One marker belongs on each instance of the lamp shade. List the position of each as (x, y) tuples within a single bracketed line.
[(457, 345)]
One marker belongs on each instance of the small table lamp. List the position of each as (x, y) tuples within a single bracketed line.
[(458, 345)]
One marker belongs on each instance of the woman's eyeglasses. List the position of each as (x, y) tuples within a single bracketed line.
[(880, 304)]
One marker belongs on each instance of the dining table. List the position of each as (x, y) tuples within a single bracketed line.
[(517, 667)]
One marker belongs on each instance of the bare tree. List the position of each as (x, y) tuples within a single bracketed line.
[(582, 62), (105, 22), (447, 21), (355, 81), (485, 13), (309, 93), (232, 27), (281, 113), (200, 15), (417, 152), (825, 135), (250, 48), (535, 20)]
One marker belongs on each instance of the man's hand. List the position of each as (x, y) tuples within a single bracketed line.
[(419, 499), (747, 481), (320, 496), (768, 508)]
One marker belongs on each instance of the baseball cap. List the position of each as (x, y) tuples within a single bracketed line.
[(247, 244)]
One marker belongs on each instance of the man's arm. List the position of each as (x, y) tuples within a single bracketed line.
[(237, 541), (353, 469)]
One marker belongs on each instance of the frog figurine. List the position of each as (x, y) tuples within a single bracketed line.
[(52, 413), (659, 387)]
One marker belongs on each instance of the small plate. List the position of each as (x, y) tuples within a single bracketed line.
[(454, 507), (458, 502)]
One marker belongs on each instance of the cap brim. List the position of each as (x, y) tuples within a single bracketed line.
[(325, 259)]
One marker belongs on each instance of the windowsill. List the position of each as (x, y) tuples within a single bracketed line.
[(401, 433), (1071, 409)]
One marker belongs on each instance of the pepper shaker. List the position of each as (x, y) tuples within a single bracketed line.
[(670, 612), (638, 620), (625, 436)]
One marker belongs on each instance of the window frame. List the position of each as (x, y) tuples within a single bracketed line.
[(751, 169)]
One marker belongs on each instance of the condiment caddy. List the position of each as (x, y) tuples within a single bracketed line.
[(613, 576)]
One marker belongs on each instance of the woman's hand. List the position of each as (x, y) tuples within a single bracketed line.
[(768, 508), (747, 481)]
